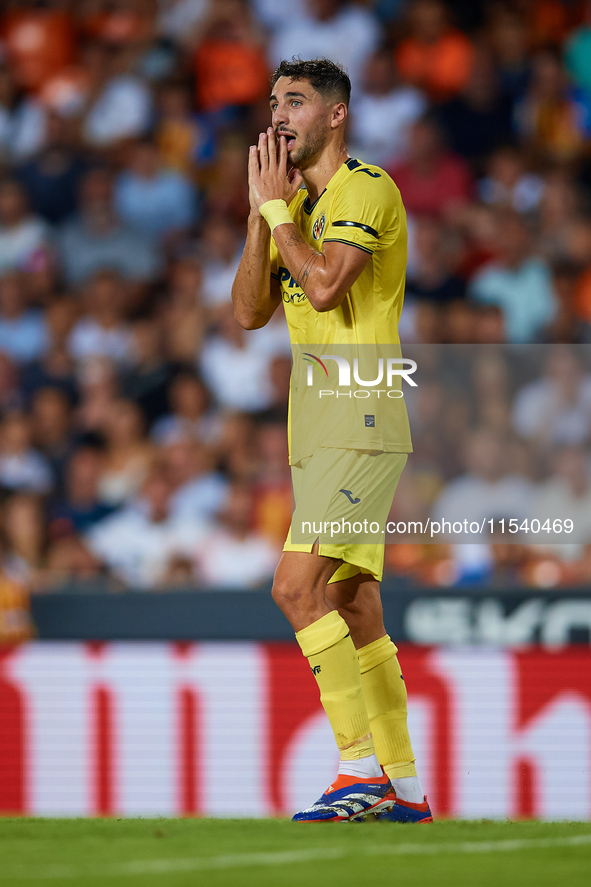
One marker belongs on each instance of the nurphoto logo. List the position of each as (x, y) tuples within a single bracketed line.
[(397, 368)]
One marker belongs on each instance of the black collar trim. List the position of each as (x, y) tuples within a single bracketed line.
[(308, 207)]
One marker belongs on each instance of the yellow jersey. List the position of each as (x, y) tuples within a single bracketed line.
[(360, 206)]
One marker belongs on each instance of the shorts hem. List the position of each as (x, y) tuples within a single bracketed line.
[(336, 551)]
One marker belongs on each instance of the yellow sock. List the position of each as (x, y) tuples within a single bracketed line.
[(385, 698), (333, 659)]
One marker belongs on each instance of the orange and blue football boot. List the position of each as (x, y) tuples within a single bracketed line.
[(404, 811), (350, 799)]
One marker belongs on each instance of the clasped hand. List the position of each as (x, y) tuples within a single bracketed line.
[(268, 176)]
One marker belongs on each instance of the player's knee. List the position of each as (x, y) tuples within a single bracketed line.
[(284, 592), (291, 596)]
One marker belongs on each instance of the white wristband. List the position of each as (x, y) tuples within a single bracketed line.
[(275, 212)]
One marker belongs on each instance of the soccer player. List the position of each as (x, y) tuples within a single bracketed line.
[(327, 237)]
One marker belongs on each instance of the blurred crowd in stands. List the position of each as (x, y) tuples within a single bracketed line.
[(142, 431)]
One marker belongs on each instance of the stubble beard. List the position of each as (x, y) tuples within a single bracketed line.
[(313, 146)]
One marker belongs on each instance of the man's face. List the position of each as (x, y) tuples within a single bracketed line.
[(299, 112)]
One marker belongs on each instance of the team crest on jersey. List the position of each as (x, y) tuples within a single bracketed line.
[(318, 229)]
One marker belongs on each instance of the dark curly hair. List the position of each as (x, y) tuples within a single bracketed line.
[(327, 78)]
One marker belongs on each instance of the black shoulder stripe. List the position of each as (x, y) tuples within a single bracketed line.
[(349, 243), (367, 228)]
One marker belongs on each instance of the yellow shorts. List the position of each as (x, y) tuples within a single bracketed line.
[(346, 490)]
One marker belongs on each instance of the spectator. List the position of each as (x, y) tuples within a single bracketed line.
[(344, 32), (199, 491), (119, 102), (226, 192), (128, 453), (185, 139), (272, 487), (236, 446), (26, 538), (566, 327), (147, 380), (16, 624), (566, 496), (509, 563), (230, 65), (234, 368), (556, 409), (23, 331), (126, 23), (459, 324), (71, 565), (279, 377), (179, 19), (552, 119), (508, 184), (434, 57), (432, 181), (579, 237), (221, 251), (22, 467), (51, 177), (139, 542), (55, 368), (509, 40), (98, 385), (549, 21), (11, 397), (432, 277), (82, 507), (578, 53), (233, 555), (518, 282), (51, 417), (23, 237), (23, 120), (103, 331), (579, 251), (39, 42), (274, 15), (486, 490), (189, 415), (183, 318), (582, 301), (441, 420), (153, 200), (96, 239), (272, 341), (179, 573), (382, 112), (491, 387), (561, 227), (489, 325), (479, 119), (478, 229)]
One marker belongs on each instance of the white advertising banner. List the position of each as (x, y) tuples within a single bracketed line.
[(236, 729)]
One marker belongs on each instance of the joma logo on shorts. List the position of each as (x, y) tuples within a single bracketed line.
[(316, 669)]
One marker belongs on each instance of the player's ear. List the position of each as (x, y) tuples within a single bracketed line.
[(339, 115)]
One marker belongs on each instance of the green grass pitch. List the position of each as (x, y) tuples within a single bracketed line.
[(277, 853)]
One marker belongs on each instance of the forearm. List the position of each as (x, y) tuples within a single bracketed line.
[(251, 290), (309, 268)]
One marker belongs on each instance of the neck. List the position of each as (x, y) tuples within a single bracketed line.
[(317, 176)]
